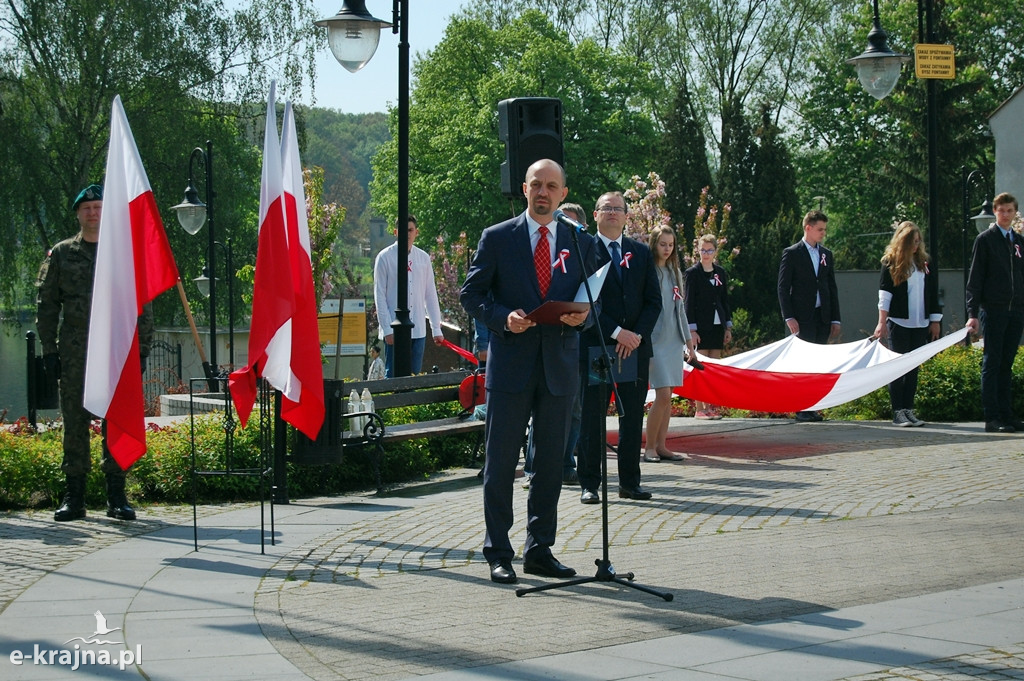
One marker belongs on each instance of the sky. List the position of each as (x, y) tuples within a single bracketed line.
[(375, 86)]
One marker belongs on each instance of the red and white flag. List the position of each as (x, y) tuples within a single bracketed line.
[(273, 301), (306, 374), (134, 265)]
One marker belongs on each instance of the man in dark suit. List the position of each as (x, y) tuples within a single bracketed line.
[(531, 368), (995, 295), (629, 305), (808, 294)]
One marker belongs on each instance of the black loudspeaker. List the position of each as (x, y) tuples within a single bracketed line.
[(531, 128)]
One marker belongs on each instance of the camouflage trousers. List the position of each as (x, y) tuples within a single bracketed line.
[(77, 424)]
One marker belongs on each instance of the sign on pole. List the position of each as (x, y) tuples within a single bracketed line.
[(934, 61), (353, 327)]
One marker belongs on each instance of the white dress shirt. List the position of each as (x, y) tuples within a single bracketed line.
[(422, 292)]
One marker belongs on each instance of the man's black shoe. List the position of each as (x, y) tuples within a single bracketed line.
[(999, 427), (570, 477), (1016, 424), (502, 572), (589, 496), (546, 566), (638, 493)]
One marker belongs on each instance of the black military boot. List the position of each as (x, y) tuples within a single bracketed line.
[(73, 506), (117, 501)]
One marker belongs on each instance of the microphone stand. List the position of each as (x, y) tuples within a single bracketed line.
[(605, 569)]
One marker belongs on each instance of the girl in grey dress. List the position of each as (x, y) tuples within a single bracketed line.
[(671, 335)]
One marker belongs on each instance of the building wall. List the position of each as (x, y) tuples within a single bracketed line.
[(1007, 125), (858, 301)]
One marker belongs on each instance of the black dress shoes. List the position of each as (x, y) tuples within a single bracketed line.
[(589, 496), (546, 566), (502, 572), (999, 427), (638, 493)]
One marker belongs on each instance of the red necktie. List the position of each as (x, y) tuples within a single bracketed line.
[(542, 261)]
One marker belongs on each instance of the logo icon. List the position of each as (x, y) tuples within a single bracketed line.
[(101, 630)]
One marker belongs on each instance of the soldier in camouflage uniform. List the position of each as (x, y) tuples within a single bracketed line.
[(65, 285)]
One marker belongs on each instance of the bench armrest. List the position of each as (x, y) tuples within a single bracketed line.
[(373, 429)]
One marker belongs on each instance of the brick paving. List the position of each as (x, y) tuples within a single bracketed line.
[(770, 519)]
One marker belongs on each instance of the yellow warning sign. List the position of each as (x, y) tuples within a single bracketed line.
[(353, 326), (934, 61)]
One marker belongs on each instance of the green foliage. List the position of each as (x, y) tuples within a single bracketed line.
[(455, 153), (859, 152), (682, 157), (30, 468), (343, 144), (30, 474), (325, 220), (183, 71)]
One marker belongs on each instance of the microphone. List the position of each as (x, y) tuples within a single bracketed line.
[(561, 217)]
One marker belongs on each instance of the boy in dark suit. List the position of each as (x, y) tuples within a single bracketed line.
[(995, 295), (808, 294)]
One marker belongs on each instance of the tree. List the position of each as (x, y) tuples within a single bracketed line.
[(737, 168), (343, 145), (455, 154), (868, 158), (184, 72), (683, 159), (736, 52)]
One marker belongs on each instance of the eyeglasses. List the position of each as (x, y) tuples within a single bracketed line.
[(611, 209), (707, 251)]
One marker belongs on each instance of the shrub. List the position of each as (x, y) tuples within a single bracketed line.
[(30, 474)]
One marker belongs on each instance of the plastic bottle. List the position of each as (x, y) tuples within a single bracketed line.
[(366, 404), (355, 425)]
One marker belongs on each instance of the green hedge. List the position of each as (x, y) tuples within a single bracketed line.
[(949, 389), (30, 475)]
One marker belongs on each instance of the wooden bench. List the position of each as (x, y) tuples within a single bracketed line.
[(388, 393)]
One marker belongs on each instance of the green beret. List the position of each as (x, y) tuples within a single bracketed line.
[(93, 192)]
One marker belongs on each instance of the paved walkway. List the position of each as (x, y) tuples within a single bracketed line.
[(792, 551)]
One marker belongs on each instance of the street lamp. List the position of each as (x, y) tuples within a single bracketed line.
[(353, 34), (192, 213), (204, 283), (981, 221), (878, 68)]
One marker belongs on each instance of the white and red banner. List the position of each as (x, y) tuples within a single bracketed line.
[(794, 375), (306, 380), (134, 265), (284, 344), (273, 302)]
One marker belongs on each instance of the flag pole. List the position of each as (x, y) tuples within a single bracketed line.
[(207, 369)]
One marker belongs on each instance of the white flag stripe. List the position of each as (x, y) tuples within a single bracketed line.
[(277, 369), (114, 313), (271, 185), (292, 174)]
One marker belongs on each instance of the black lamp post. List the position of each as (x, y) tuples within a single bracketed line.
[(878, 69), (192, 214), (205, 282), (981, 221), (353, 34)]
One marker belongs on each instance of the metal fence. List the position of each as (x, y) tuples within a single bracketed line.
[(162, 374)]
